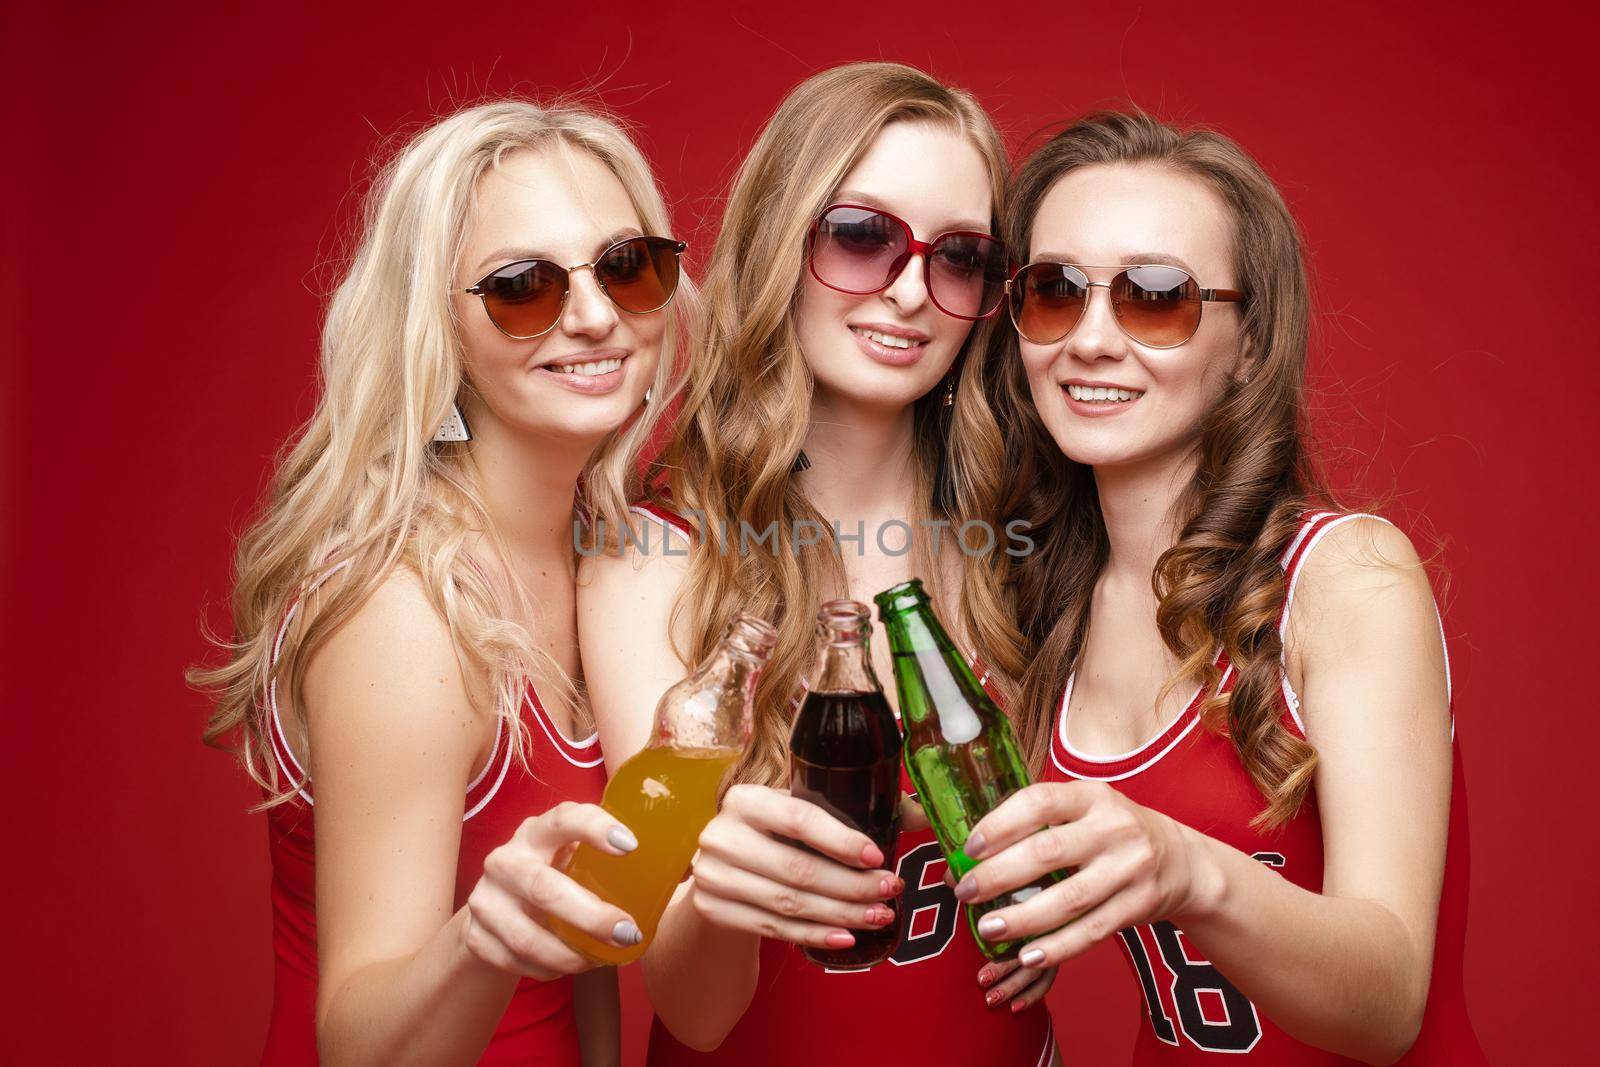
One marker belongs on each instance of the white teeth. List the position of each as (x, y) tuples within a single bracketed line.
[(1102, 394), (603, 366), (887, 340)]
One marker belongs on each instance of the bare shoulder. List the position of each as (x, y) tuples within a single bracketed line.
[(1363, 607), (388, 678), (1358, 563), (653, 554), (394, 629)]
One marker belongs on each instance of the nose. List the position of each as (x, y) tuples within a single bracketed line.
[(589, 312), (909, 291), (1097, 335)]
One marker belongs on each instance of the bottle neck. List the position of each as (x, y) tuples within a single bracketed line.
[(928, 660), (712, 708), (845, 667)]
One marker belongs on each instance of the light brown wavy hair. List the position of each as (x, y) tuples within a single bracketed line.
[(363, 483), (748, 402), (1221, 583)]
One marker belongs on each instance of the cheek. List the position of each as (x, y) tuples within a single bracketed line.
[(817, 308), (649, 331), (1191, 380), (949, 334), (490, 358), (1036, 363)]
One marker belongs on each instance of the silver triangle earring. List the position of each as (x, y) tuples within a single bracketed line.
[(454, 427), (647, 394)]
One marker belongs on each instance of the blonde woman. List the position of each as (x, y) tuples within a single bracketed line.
[(400, 680), (839, 384)]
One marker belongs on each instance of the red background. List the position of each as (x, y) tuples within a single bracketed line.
[(182, 190)]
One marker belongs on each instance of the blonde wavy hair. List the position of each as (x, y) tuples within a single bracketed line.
[(747, 403), (364, 487)]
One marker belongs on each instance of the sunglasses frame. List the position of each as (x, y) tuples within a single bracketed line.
[(477, 288), (1228, 296), (914, 247)]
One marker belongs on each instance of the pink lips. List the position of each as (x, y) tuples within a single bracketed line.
[(587, 384), (882, 353), (1098, 409)]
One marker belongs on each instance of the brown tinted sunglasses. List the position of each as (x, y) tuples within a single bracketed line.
[(1157, 305), (525, 299)]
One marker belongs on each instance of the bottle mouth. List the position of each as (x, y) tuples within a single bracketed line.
[(752, 636), (844, 622), (896, 597)]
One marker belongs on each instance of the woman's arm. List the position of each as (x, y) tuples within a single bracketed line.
[(701, 969), (691, 972), (599, 1010), (1346, 969), (394, 739)]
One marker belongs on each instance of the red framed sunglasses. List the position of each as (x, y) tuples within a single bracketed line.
[(1155, 304), (861, 250)]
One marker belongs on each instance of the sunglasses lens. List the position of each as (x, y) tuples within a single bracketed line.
[(856, 250), (967, 274), (640, 274), (524, 299), (1047, 301), (1158, 306)]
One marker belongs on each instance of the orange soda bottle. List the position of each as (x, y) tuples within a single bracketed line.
[(667, 792)]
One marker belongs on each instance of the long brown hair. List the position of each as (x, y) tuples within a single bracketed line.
[(1220, 584), (748, 398)]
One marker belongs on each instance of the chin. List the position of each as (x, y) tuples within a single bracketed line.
[(577, 424), (1094, 450), (870, 385)]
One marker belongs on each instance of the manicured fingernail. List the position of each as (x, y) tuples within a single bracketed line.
[(622, 839), (872, 855), (878, 915), (1032, 957), (974, 845), (993, 997), (1018, 1005), (840, 939), (626, 934), (967, 888), (890, 886), (991, 926), (985, 976)]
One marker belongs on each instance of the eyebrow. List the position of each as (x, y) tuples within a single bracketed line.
[(852, 196), (518, 253)]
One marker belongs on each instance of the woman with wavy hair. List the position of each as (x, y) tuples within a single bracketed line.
[(401, 673), (834, 414), (1249, 773)]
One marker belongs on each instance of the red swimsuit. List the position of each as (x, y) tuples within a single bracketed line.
[(539, 1025), (1192, 1010)]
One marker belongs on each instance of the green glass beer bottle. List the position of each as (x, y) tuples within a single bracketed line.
[(960, 750)]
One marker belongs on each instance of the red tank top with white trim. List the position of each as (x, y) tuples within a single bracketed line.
[(539, 1025), (1192, 1012), (923, 1005)]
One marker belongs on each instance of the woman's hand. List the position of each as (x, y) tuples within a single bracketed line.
[(522, 885), (747, 878), (1132, 865), (1009, 980)]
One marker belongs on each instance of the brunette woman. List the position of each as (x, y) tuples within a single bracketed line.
[(401, 673), (834, 406), (1249, 770)]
